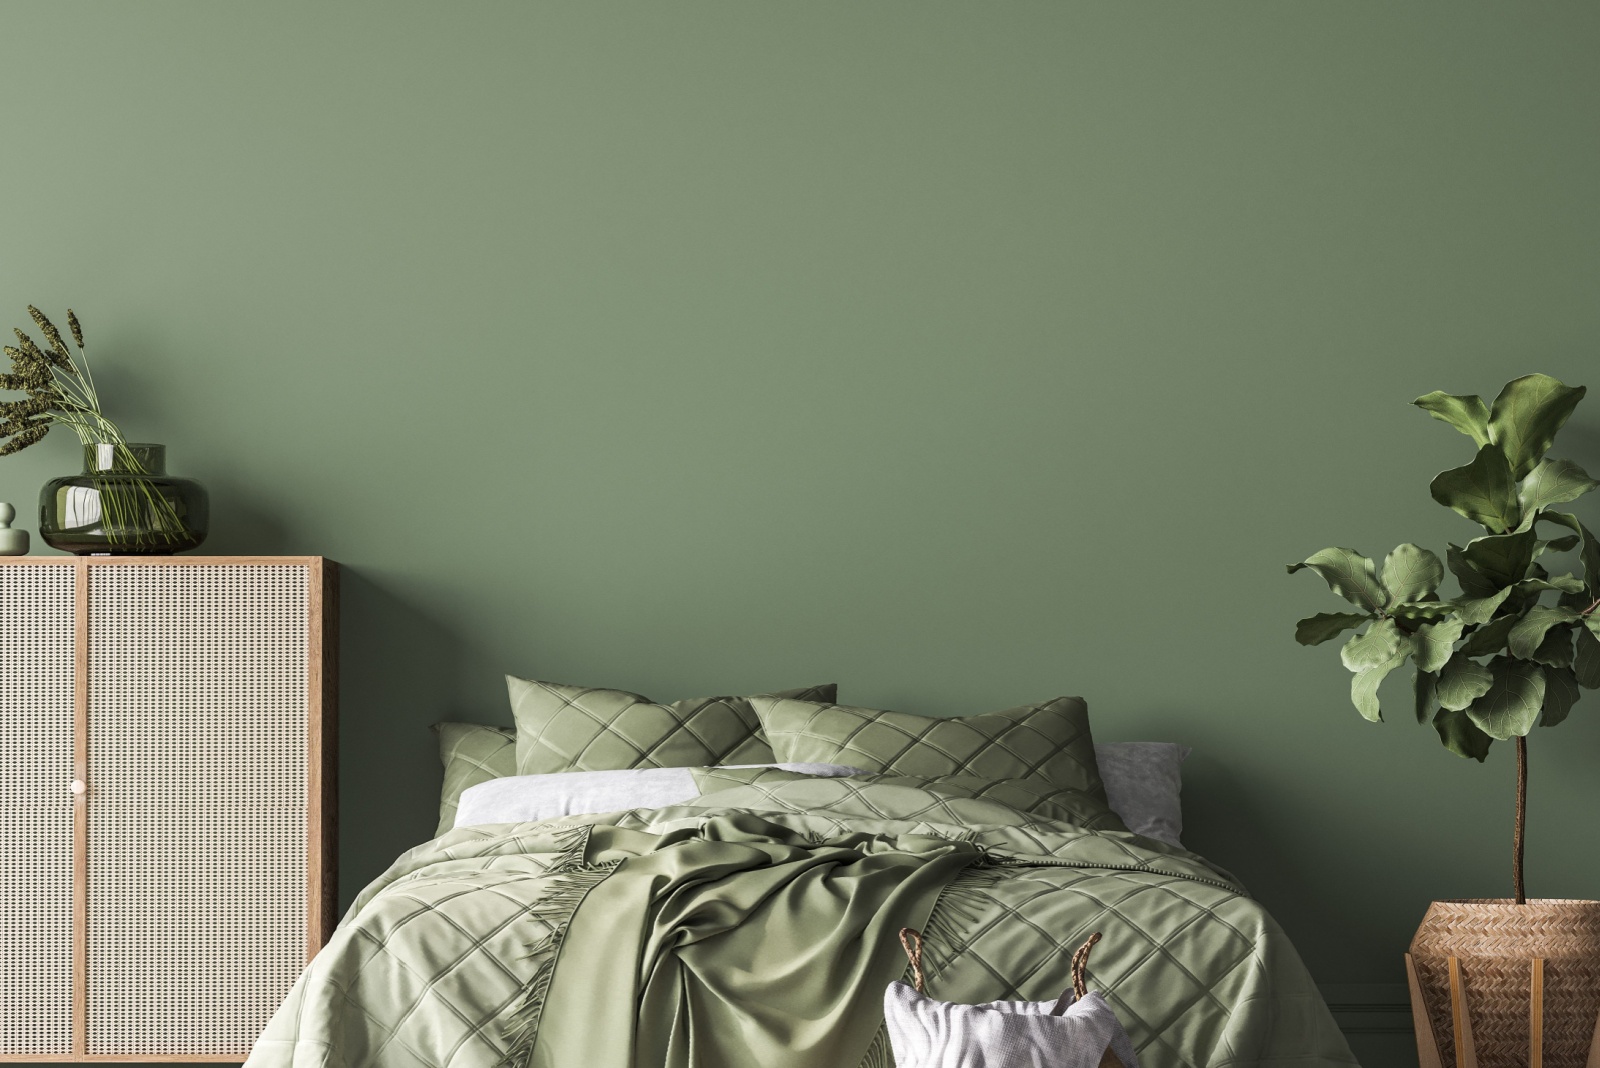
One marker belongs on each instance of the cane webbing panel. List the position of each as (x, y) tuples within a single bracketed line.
[(36, 722), (197, 811)]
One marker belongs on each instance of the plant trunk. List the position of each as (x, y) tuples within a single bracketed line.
[(1522, 821)]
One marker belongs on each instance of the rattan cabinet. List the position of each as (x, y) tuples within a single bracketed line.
[(166, 797)]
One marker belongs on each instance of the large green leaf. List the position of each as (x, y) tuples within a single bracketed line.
[(1556, 649), (1520, 601), (1586, 660), (1372, 656), (1481, 609), (1314, 630), (1489, 638), (1433, 644), (1589, 553), (1410, 573), (1467, 414), (1460, 735), (1461, 682), (1529, 631), (1422, 684), (1553, 482), (1349, 574), (1527, 414), (1501, 559), (1565, 583), (1511, 707), (1364, 687), (1563, 544), (1381, 642), (1560, 694), (1483, 491)]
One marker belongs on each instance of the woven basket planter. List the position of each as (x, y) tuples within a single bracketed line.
[(1495, 984)]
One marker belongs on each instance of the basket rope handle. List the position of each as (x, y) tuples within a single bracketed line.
[(1080, 962), (911, 942)]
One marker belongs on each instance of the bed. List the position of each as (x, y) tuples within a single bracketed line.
[(756, 921)]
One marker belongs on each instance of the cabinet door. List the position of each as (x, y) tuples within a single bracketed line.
[(197, 804), (36, 809)]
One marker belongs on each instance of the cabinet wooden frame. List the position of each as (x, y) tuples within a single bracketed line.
[(321, 886)]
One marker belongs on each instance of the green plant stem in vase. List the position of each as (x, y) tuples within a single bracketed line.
[(123, 502)]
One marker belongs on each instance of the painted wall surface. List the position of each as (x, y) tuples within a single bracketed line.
[(964, 354)]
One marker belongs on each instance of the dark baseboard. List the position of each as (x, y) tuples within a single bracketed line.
[(1369, 1008)]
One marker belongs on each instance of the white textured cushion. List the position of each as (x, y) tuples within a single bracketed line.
[(1143, 780), (525, 798), (925, 1033)]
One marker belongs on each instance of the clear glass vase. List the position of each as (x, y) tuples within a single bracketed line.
[(124, 503)]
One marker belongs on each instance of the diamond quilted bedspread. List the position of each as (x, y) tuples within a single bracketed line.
[(756, 926)]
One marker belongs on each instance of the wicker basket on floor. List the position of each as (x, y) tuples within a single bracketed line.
[(1511, 985)]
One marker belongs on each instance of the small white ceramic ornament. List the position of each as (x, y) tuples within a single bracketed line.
[(12, 542)]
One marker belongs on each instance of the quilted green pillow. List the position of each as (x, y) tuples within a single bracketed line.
[(1049, 742), (471, 753), (1025, 795), (581, 728)]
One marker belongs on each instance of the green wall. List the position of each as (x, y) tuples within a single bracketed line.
[(966, 354)]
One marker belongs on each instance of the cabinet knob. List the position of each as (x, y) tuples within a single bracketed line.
[(79, 786)]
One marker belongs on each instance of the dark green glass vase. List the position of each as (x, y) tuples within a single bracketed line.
[(123, 504)]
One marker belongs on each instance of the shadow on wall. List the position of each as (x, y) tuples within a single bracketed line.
[(399, 672), (1223, 821), (1228, 818), (397, 666)]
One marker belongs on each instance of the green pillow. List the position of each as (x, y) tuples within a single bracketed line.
[(581, 728), (1048, 742), (471, 753), (1025, 795)]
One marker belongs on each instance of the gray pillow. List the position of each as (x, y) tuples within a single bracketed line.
[(1143, 780)]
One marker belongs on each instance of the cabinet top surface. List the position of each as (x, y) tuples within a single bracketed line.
[(156, 561)]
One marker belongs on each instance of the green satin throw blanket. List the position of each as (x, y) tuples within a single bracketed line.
[(757, 927), (750, 945)]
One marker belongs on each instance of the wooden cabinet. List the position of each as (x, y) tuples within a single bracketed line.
[(167, 729)]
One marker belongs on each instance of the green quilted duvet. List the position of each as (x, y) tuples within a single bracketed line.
[(756, 926)]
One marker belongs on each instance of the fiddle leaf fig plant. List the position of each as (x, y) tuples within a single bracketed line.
[(1514, 648)]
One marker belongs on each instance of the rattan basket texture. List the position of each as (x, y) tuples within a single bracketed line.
[(1496, 941)]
